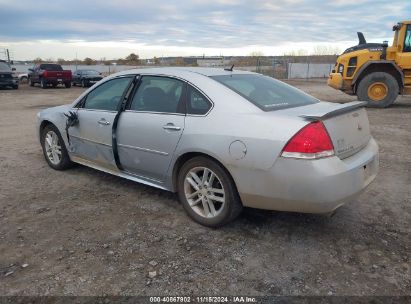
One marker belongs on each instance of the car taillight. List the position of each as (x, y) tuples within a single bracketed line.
[(311, 142), (45, 74)]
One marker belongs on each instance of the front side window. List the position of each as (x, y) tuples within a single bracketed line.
[(407, 41), (265, 92), (108, 95), (158, 94), (197, 103)]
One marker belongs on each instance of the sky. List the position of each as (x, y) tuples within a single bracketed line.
[(114, 29)]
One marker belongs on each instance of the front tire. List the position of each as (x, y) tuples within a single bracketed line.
[(208, 193), (54, 150), (378, 89), (15, 87), (43, 84), (83, 83), (31, 83), (68, 85)]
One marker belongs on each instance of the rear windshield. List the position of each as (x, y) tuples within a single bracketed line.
[(265, 92), (51, 67)]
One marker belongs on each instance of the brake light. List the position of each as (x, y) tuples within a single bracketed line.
[(45, 74), (311, 142)]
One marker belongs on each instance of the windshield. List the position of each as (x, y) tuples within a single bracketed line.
[(4, 67), (265, 92), (90, 72)]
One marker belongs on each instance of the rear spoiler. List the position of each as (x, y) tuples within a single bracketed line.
[(339, 109)]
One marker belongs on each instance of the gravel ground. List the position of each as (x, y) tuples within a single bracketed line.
[(83, 232)]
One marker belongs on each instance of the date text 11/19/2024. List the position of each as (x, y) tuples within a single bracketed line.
[(203, 299)]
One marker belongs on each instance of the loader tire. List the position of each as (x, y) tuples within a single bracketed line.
[(378, 89)]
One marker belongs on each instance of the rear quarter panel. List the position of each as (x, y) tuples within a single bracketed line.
[(263, 135)]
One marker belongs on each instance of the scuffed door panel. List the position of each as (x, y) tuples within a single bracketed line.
[(91, 138)]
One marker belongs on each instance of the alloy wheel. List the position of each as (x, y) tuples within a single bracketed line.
[(52, 147), (204, 192)]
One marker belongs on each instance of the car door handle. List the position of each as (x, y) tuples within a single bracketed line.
[(171, 126), (103, 122)]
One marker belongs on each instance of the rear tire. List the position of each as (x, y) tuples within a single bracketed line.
[(378, 89), (68, 85), (210, 197), (55, 152)]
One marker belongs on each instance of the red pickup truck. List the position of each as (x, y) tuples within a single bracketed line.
[(49, 74)]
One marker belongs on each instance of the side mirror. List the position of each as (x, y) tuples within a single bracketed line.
[(13, 69)]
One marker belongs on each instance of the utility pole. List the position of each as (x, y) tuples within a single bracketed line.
[(8, 55)]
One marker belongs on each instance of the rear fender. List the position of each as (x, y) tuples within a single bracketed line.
[(379, 66)]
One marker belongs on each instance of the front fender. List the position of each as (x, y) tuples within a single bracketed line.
[(56, 117)]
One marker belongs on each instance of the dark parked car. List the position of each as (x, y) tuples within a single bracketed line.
[(49, 74), (7, 78), (86, 78)]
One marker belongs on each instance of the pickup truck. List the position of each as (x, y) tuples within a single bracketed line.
[(49, 74), (7, 77)]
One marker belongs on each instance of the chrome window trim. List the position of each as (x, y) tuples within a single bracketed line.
[(152, 112), (93, 110)]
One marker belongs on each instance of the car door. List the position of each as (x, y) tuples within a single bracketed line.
[(35, 74), (150, 128), (404, 58), (91, 138), (76, 76)]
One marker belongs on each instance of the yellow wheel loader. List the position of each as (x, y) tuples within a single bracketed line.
[(376, 72)]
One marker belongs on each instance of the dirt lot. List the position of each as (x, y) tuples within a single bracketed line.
[(82, 232)]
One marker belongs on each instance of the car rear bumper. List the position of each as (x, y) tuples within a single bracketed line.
[(57, 80), (310, 186)]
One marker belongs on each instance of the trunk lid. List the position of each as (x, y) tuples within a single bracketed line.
[(347, 124), (349, 132)]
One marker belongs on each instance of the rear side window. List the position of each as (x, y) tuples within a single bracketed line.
[(197, 103), (265, 92), (107, 95), (158, 94)]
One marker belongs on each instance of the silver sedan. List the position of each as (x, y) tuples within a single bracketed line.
[(222, 139)]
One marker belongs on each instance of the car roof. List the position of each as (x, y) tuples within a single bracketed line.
[(184, 71)]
